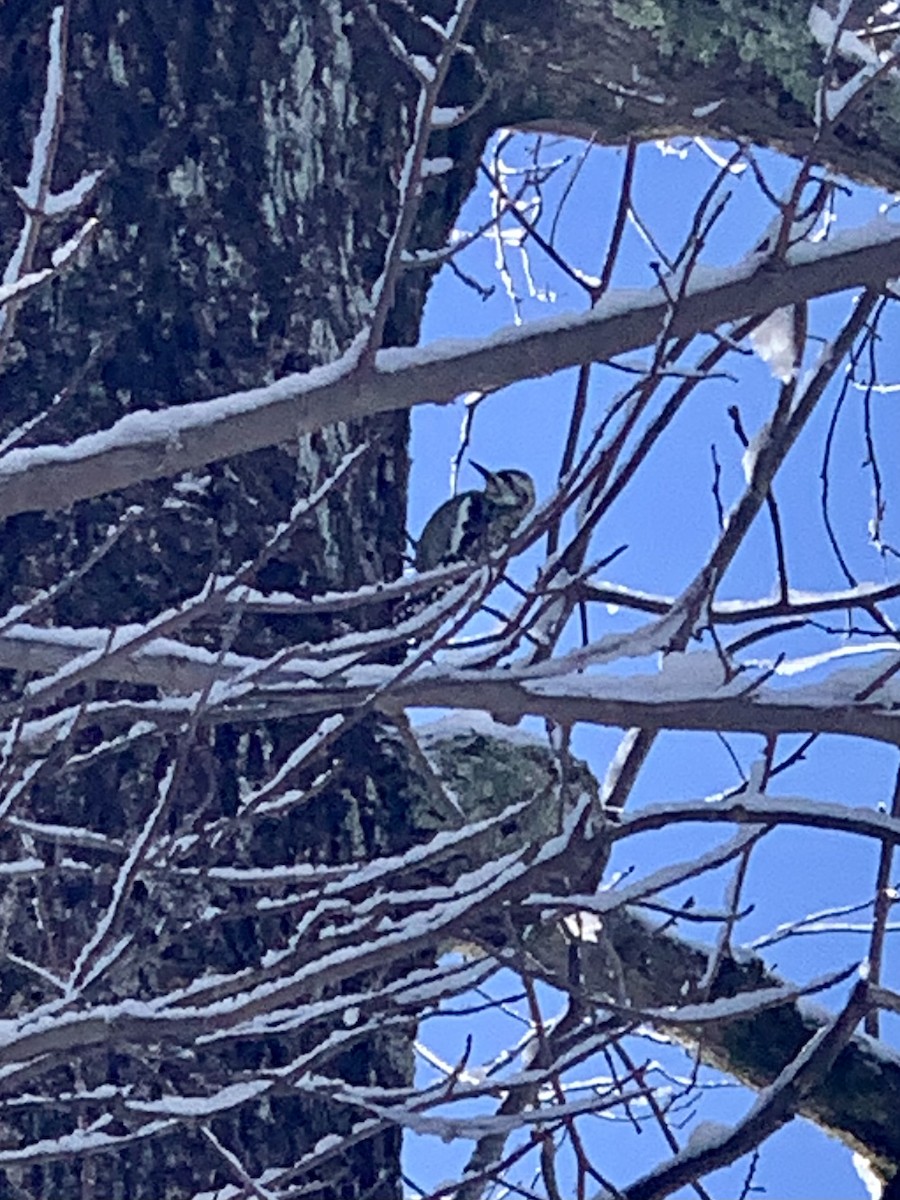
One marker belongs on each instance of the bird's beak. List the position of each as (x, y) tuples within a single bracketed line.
[(481, 470)]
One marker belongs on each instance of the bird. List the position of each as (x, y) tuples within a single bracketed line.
[(470, 526)]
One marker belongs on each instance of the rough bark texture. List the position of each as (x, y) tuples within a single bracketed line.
[(653, 68), (250, 155)]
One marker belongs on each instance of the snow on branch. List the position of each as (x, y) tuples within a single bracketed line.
[(38, 202), (82, 1142), (691, 691), (774, 1107), (416, 167), (152, 445), (649, 702)]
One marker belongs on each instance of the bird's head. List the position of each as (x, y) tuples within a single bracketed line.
[(509, 488)]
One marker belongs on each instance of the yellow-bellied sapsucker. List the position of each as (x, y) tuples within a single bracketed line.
[(473, 524)]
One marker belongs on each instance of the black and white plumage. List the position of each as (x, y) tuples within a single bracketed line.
[(471, 525)]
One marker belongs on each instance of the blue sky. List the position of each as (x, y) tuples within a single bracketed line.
[(667, 520)]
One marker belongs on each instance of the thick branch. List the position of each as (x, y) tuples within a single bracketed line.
[(649, 701), (145, 445), (857, 1101)]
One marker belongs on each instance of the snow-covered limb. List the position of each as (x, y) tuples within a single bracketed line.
[(733, 612), (665, 877), (171, 665), (826, 921), (400, 925), (656, 702), (416, 167), (252, 1186), (67, 835), (207, 602), (759, 809), (690, 692), (830, 32), (450, 1128), (66, 252), (17, 287), (774, 1107), (24, 284), (23, 867), (141, 654), (200, 1108), (152, 445), (395, 1002), (59, 203), (331, 883), (39, 203), (215, 1005), (82, 1142), (35, 190), (662, 968), (92, 956), (728, 1008)]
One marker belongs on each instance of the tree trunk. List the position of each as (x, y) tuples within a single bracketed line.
[(246, 195)]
